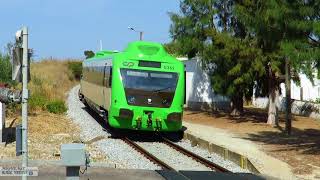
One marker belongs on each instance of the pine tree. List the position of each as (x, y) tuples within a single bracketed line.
[(284, 29), (209, 29), (247, 41)]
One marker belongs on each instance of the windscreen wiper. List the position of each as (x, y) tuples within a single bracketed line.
[(160, 90)]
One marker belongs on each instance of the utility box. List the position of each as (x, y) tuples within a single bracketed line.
[(2, 122), (73, 155)]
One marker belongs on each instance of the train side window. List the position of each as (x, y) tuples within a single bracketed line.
[(107, 76), (110, 77)]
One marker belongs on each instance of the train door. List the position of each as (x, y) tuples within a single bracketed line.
[(107, 86)]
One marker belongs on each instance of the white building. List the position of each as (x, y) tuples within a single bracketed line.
[(306, 91), (303, 97), (199, 93)]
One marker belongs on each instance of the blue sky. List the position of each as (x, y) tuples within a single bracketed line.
[(65, 28)]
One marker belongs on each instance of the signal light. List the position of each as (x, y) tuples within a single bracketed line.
[(174, 117), (126, 114)]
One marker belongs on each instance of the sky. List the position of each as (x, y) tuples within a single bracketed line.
[(65, 28)]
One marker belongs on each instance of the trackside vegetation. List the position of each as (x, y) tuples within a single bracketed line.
[(247, 44), (5, 69), (50, 80), (76, 68)]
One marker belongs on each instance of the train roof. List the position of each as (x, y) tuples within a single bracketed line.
[(138, 50)]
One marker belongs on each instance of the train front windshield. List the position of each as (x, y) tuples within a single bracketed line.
[(149, 88)]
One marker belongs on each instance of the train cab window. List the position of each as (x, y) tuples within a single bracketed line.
[(107, 76)]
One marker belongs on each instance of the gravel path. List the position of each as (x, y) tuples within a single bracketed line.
[(124, 156)]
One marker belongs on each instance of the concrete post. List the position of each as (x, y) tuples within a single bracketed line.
[(2, 122), (25, 96)]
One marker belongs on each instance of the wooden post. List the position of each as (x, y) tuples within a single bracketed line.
[(288, 97)]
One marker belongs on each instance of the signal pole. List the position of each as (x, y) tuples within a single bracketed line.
[(141, 35), (100, 45), (140, 32), (25, 96)]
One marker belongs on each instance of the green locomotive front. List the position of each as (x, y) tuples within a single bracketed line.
[(143, 88)]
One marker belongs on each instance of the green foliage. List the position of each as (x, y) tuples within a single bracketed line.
[(76, 69), (246, 42), (284, 30), (89, 54), (37, 102), (173, 48), (56, 107), (317, 101), (235, 66), (5, 69), (220, 43)]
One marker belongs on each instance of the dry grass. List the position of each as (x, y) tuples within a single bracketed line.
[(50, 79), (46, 134), (53, 77)]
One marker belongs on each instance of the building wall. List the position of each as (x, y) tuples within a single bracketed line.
[(306, 91), (302, 96), (199, 93)]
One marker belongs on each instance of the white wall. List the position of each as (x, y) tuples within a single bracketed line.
[(299, 106), (309, 92), (198, 84)]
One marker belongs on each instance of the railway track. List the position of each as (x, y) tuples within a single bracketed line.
[(165, 166), (194, 156), (148, 155)]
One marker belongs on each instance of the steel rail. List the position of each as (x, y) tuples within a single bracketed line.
[(152, 158), (194, 156), (148, 155)]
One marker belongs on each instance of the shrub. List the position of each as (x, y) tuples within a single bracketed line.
[(5, 69), (317, 101), (56, 107), (76, 68), (37, 102)]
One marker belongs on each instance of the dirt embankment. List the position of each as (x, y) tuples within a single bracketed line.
[(50, 82)]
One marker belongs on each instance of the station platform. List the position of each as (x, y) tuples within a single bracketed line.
[(95, 173)]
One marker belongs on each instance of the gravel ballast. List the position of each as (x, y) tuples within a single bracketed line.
[(124, 156), (231, 166), (117, 151), (172, 157)]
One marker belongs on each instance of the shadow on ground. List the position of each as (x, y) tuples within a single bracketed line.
[(306, 141)]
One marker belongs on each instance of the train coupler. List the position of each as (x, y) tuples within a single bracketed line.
[(158, 124), (138, 123), (149, 121)]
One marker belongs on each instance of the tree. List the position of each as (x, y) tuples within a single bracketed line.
[(285, 29), (5, 69), (89, 54), (5, 64), (223, 32), (235, 66), (209, 29)]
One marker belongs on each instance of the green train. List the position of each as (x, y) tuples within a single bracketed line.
[(141, 88)]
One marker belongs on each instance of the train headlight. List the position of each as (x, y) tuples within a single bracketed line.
[(125, 114), (174, 117), (131, 100)]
